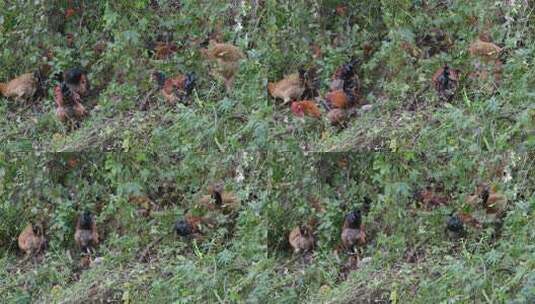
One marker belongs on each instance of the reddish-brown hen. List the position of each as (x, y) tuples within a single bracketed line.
[(345, 87), (446, 81), (144, 205), (430, 197), (68, 95), (340, 99), (487, 197), (163, 47), (353, 234), (175, 89), (305, 108)]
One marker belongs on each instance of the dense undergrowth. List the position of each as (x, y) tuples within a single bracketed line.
[(388, 37), (57, 192), (246, 258), (275, 163)]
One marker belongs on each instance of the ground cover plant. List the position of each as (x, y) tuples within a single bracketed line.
[(398, 45), (244, 255), (267, 151)]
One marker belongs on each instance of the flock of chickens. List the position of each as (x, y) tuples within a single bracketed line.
[(344, 93), (488, 206), (32, 240), (353, 235), (73, 84), (301, 89)]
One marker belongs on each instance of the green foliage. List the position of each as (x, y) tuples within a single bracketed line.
[(255, 264), (50, 172)]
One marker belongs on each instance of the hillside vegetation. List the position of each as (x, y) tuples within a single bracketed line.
[(246, 257), (408, 158), (393, 40)]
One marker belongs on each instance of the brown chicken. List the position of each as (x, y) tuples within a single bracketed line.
[(301, 239), (340, 99), (484, 49), (69, 93), (161, 50), (227, 58), (288, 89), (72, 9), (22, 88), (345, 87), (164, 50), (86, 234), (32, 239), (305, 108), (69, 12), (493, 202), (341, 9), (144, 205), (488, 198), (218, 199), (446, 81), (353, 234), (224, 52), (175, 89)]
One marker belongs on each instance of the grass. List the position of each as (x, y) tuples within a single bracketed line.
[(285, 170)]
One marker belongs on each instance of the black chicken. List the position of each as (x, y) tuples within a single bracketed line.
[(455, 227)]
